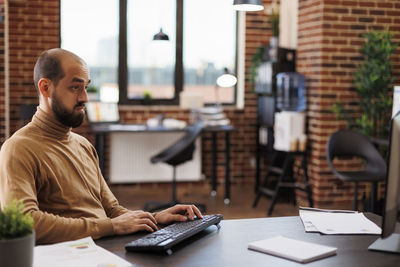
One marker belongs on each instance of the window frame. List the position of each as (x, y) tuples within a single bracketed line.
[(123, 60), (178, 76)]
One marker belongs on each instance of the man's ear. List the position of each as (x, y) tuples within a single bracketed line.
[(44, 87)]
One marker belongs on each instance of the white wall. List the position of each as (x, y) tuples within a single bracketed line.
[(288, 23)]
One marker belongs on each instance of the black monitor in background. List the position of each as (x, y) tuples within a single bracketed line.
[(390, 241)]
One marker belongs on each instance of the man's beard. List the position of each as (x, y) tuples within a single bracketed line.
[(66, 117)]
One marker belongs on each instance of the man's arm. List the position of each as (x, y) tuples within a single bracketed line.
[(17, 181), (50, 228), (126, 221), (110, 204)]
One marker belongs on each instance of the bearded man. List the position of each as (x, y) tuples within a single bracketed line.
[(55, 172)]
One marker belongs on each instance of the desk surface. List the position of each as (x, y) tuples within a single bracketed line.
[(228, 246), (119, 127)]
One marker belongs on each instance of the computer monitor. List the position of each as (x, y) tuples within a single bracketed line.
[(102, 112), (390, 241)]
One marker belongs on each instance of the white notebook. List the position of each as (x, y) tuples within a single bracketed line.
[(292, 249)]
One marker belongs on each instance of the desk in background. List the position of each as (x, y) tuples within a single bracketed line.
[(228, 246), (227, 129), (101, 130)]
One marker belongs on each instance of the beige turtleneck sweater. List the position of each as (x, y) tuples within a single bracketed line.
[(55, 173)]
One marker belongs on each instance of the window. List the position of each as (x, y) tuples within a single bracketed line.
[(116, 40), (93, 36), (209, 38), (151, 64)]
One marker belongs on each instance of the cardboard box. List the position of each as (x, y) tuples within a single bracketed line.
[(289, 128)]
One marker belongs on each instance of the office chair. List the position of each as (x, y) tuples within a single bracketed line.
[(174, 155), (347, 144), (26, 112)]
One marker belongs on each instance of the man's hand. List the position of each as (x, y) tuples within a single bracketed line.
[(134, 221), (178, 213)]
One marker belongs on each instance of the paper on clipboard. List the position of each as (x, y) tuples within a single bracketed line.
[(78, 253), (337, 222)]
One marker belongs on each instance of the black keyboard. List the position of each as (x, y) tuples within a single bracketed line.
[(163, 239)]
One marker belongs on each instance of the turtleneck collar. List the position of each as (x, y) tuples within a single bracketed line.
[(50, 126)]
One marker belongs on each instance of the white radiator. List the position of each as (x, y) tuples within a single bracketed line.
[(131, 153)]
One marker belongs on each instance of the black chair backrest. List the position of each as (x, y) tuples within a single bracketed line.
[(266, 110), (182, 150), (349, 143), (26, 112)]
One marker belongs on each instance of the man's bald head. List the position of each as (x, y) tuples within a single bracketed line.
[(49, 65)]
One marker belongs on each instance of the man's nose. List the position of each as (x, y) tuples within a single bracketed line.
[(83, 96)]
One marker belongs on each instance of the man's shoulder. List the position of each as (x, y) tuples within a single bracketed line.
[(21, 136), (84, 144), (79, 138), (83, 141), (21, 141)]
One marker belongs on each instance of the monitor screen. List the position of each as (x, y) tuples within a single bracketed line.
[(392, 199), (390, 241), (102, 112)]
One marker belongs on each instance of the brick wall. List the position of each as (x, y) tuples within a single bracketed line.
[(329, 39), (2, 91), (33, 28)]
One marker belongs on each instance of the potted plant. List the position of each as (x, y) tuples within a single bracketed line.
[(146, 97), (266, 52), (17, 238), (373, 82), (92, 93), (272, 11), (256, 60)]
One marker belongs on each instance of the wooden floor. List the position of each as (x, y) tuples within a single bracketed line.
[(242, 197)]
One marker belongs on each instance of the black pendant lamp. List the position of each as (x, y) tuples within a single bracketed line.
[(161, 36), (248, 5)]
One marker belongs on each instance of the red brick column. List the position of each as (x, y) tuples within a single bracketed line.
[(329, 39), (2, 77), (33, 27)]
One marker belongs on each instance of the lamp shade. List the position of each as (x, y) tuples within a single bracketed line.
[(160, 36), (226, 79), (248, 5)]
